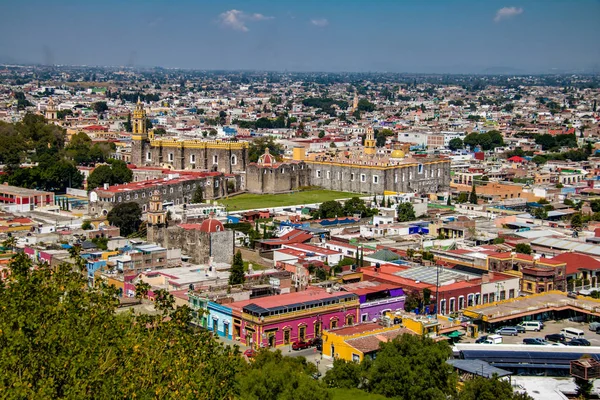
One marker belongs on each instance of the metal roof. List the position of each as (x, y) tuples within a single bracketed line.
[(564, 244), (429, 275), (478, 367)]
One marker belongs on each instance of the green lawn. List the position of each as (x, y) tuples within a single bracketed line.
[(354, 394), (248, 201)]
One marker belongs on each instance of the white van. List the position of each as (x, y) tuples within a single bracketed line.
[(572, 333), (532, 326), (493, 339)]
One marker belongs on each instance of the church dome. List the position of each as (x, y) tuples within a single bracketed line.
[(266, 159), (397, 154), (211, 225)]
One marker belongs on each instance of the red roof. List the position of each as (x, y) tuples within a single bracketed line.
[(155, 182), (577, 261), (517, 159)]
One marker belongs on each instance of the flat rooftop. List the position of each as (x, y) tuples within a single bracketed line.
[(530, 305), (430, 275)]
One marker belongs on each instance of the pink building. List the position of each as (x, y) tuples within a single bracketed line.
[(281, 320)]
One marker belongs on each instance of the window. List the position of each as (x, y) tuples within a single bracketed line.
[(420, 168), (485, 299), (363, 178), (233, 160), (375, 178), (120, 199), (318, 173), (461, 302), (364, 317), (171, 190), (503, 295), (171, 158), (334, 324), (328, 174), (148, 156), (452, 304), (215, 159), (352, 176), (192, 159), (443, 307), (143, 195), (144, 208), (511, 293), (135, 196)]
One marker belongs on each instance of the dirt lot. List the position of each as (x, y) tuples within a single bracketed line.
[(550, 327)]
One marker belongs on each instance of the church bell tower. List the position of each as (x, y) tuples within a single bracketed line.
[(139, 134), (156, 220), (370, 142)]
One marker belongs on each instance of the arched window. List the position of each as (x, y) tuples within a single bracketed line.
[(233, 160)]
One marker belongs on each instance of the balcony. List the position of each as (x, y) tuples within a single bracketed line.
[(300, 313)]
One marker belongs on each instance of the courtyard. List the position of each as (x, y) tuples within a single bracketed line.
[(249, 201)]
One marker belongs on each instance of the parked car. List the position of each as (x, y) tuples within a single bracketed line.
[(508, 331), (579, 342), (316, 375), (594, 326), (532, 325), (301, 344), (520, 329), (535, 341), (481, 339), (250, 353), (555, 337)]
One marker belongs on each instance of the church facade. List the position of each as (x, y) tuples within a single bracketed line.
[(362, 171)]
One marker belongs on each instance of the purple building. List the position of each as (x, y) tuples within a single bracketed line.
[(376, 298)]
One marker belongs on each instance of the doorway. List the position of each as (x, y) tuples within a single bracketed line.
[(286, 336), (302, 333)]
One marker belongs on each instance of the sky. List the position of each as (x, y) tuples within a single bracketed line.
[(441, 36)]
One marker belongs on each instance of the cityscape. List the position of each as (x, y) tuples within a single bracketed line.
[(315, 225)]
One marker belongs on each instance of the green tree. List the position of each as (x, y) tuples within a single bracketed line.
[(114, 174), (540, 213), (236, 274), (463, 197), (126, 216), (523, 248), (456, 144), (273, 376), (406, 212), (493, 388), (344, 374), (322, 134), (357, 206), (539, 159), (329, 209), (198, 196), (63, 339), (576, 221), (473, 196), (409, 367), (584, 388), (100, 107), (595, 205), (87, 225)]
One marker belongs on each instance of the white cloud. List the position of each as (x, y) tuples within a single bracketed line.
[(507, 12), (236, 19), (319, 22)]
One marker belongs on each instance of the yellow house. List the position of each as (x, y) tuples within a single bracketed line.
[(354, 343)]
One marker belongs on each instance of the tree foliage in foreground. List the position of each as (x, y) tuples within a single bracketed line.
[(59, 339), (411, 367)]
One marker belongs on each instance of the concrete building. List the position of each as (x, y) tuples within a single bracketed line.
[(17, 199)]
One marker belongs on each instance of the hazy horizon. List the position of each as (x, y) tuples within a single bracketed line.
[(452, 37)]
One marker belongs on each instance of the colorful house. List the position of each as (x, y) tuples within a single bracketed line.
[(376, 299), (354, 343), (281, 320)]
